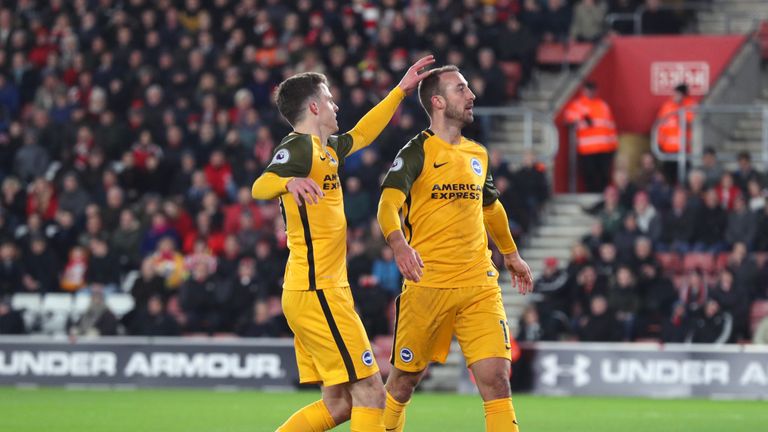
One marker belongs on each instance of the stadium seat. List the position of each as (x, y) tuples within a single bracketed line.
[(129, 280), (758, 311), (699, 261), (555, 53), (513, 71), (722, 261), (762, 38), (79, 305), (56, 310), (670, 262), (29, 306), (119, 303)]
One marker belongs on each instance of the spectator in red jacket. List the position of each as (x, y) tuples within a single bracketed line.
[(244, 206), (219, 175)]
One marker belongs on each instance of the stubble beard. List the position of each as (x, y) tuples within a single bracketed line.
[(459, 115)]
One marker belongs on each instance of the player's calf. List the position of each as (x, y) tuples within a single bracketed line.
[(339, 402), (492, 378)]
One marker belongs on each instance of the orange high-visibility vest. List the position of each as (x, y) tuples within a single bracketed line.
[(669, 130), (600, 136)]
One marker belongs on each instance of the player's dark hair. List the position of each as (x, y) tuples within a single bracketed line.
[(430, 86), (293, 93)]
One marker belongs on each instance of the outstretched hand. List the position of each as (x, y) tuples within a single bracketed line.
[(415, 74), (520, 273)]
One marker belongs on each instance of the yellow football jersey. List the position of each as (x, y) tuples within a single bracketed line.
[(316, 232), (446, 187)]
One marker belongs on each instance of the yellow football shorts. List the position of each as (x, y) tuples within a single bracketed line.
[(331, 344), (427, 318)]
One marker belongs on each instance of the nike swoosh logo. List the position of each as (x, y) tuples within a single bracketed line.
[(513, 421), (322, 158), (436, 165)]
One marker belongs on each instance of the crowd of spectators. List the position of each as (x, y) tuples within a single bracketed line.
[(675, 263), (131, 131)]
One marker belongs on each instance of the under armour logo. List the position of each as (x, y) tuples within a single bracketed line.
[(553, 369)]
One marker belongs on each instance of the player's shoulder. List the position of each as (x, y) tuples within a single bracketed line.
[(416, 144), (475, 146), (294, 150), (341, 144), (297, 141)]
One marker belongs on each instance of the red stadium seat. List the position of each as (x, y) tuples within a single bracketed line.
[(762, 38), (513, 71), (701, 261), (757, 313), (722, 261), (670, 262), (554, 53)]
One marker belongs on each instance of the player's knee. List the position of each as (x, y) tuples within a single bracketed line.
[(369, 392), (401, 386)]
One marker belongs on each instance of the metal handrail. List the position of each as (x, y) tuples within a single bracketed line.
[(530, 116), (696, 151)]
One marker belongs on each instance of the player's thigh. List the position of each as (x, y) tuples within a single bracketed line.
[(330, 333), (481, 325), (423, 327)]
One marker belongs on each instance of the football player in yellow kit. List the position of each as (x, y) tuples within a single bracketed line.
[(332, 347), (441, 181)]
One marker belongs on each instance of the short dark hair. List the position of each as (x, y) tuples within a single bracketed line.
[(430, 86), (293, 93), (745, 156)]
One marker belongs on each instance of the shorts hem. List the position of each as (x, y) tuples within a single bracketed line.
[(506, 356)]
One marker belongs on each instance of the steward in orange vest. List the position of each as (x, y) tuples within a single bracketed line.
[(669, 131), (596, 140)]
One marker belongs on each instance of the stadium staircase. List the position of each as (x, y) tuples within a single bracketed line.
[(731, 16), (747, 134)]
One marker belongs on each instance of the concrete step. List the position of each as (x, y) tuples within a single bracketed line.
[(749, 123), (581, 198), (743, 134), (543, 253), (561, 231), (549, 242), (564, 220)]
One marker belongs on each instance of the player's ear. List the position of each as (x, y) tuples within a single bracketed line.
[(438, 102), (313, 107)]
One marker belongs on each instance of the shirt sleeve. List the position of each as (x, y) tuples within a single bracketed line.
[(389, 207), (405, 168), (497, 225), (293, 158), (490, 193)]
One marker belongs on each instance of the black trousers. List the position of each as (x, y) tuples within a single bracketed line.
[(596, 171)]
